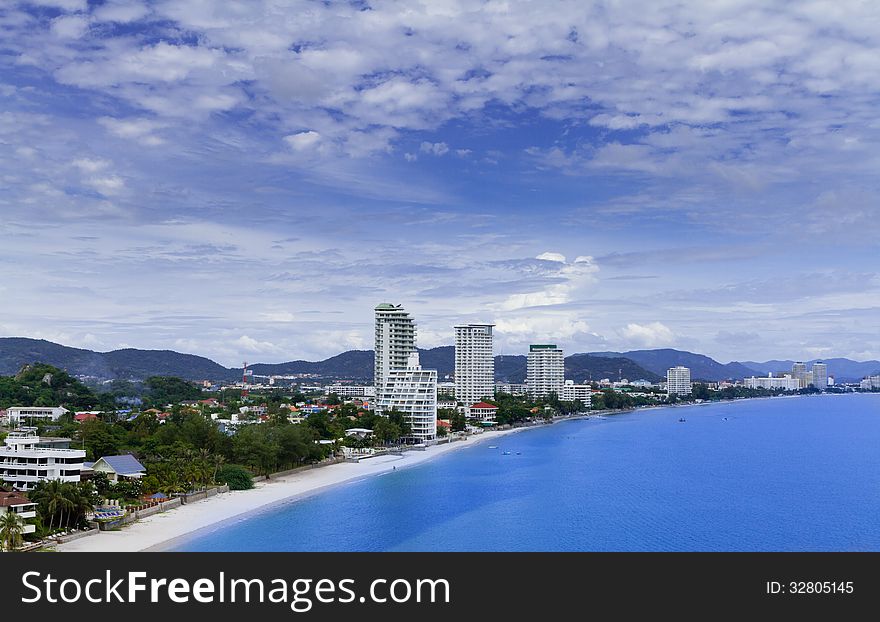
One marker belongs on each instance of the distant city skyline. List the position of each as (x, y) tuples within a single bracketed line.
[(699, 176)]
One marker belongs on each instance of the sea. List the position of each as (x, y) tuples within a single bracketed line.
[(778, 474)]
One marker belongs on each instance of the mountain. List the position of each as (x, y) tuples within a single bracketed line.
[(357, 365), (843, 370), (702, 367), (352, 365), (128, 363), (580, 367)]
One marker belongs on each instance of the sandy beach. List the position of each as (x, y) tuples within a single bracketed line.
[(162, 531)]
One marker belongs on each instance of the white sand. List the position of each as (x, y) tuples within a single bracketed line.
[(156, 532)]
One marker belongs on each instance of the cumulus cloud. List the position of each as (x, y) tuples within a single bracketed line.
[(653, 335)]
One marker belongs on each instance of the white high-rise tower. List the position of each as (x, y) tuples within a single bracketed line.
[(413, 392), (395, 341), (545, 372), (474, 363)]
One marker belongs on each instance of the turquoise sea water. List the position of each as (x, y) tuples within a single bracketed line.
[(782, 474)]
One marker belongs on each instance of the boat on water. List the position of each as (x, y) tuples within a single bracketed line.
[(506, 453), (682, 420), (493, 446)]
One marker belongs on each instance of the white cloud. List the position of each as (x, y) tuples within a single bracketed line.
[(303, 140), (70, 26), (121, 12), (437, 149), (90, 165), (140, 129), (558, 257), (651, 335), (107, 185)]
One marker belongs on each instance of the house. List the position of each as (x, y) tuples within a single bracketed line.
[(358, 432), (15, 414), (85, 416), (121, 467), (483, 411), (19, 504)]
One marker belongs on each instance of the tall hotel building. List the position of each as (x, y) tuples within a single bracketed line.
[(799, 371), (401, 382), (678, 381), (395, 341), (474, 363), (413, 391), (820, 375), (545, 372)]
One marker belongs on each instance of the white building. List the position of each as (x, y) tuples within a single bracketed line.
[(446, 388), (21, 506), (678, 381), (483, 411), (799, 371), (474, 363), (870, 383), (23, 462), (511, 388), (545, 372), (395, 341), (572, 392), (350, 390), (786, 382), (819, 371), (412, 391), (16, 414)]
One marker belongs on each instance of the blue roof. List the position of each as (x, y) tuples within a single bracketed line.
[(124, 465)]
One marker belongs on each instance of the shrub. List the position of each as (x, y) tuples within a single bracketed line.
[(238, 477)]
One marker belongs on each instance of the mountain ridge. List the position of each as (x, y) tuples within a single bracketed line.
[(136, 364)]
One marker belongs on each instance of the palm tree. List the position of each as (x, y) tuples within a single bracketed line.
[(11, 528)]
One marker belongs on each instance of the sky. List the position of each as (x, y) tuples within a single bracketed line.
[(246, 180)]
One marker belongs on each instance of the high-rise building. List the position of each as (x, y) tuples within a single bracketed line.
[(412, 391), (799, 371), (678, 381), (474, 363), (395, 341), (820, 375), (545, 371)]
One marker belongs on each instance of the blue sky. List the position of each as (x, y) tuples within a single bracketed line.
[(246, 180)]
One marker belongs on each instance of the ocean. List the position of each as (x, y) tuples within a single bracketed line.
[(780, 474)]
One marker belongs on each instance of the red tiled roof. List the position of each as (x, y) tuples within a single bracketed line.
[(484, 405), (8, 499), (85, 417)]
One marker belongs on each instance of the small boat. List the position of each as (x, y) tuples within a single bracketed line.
[(506, 453), (682, 420), (493, 446), (518, 454)]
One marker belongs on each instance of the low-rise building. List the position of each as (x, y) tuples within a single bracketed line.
[(483, 411), (572, 392), (21, 506), (120, 467), (786, 382), (23, 462), (16, 415), (870, 383), (351, 390)]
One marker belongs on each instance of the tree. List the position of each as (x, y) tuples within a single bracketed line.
[(11, 529), (399, 419), (458, 422), (385, 431)]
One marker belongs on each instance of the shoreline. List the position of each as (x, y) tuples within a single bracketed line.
[(164, 531)]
